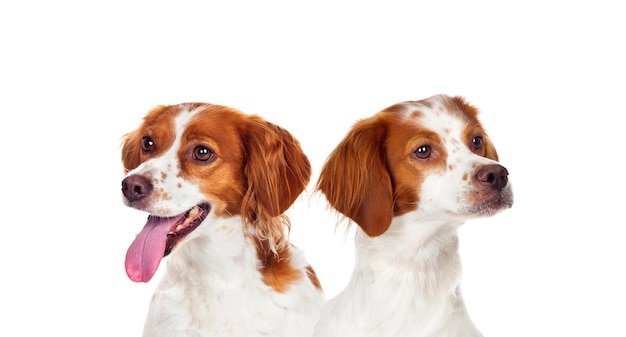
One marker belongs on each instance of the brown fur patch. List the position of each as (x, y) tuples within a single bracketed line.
[(222, 179), (355, 179), (474, 128), (407, 171), (158, 124), (313, 278), (372, 176), (276, 268), (257, 170)]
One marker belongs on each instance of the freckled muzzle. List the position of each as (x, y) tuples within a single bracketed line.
[(493, 192), (159, 235)]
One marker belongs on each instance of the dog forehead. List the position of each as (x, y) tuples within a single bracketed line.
[(164, 116), (436, 114), (166, 125), (201, 122), (187, 113)]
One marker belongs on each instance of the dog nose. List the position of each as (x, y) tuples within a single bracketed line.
[(136, 187), (495, 175)]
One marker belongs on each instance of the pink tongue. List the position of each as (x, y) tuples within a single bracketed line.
[(145, 253)]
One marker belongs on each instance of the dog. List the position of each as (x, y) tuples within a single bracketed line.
[(216, 183), (409, 176)]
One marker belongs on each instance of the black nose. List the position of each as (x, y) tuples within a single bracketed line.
[(136, 187), (495, 175)]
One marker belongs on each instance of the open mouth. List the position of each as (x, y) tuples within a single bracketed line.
[(192, 219), (158, 238)]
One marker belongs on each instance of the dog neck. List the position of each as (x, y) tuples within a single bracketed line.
[(214, 283), (423, 254), (211, 283), (219, 255), (411, 276)]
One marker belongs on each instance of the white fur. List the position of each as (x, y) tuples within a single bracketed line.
[(406, 282), (173, 195), (212, 285), (212, 288)]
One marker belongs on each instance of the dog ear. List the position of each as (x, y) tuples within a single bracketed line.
[(277, 170), (132, 141), (355, 178), (131, 152)]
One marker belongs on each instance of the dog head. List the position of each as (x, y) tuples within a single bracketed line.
[(432, 157), (190, 163)]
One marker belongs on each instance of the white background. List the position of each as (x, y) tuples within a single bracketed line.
[(549, 78)]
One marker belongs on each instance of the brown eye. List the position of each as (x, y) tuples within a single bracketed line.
[(477, 142), (147, 144), (423, 152), (203, 153)]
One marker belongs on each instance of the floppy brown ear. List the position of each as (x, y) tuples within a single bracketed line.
[(131, 152), (355, 178), (276, 168)]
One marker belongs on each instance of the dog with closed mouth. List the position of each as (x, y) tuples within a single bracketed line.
[(409, 176)]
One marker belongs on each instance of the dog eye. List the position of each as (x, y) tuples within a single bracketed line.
[(477, 142), (423, 152), (147, 144), (203, 153)]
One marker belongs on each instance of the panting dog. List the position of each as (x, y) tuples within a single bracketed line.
[(216, 183)]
